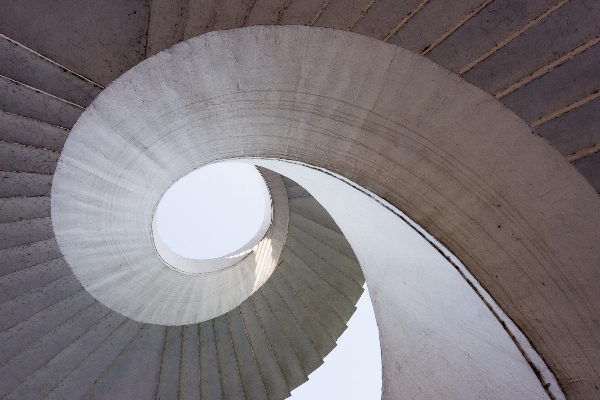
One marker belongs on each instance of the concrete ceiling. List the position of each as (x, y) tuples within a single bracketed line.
[(540, 58)]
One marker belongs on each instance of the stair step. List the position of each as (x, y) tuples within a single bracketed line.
[(288, 182), (24, 65), (343, 307), (134, 373), (301, 343), (25, 280), (31, 132), (337, 279), (319, 337), (310, 209), (20, 158), (285, 352), (25, 184), (295, 192), (24, 306), (210, 379), (20, 257), (320, 310), (168, 380), (22, 208), (19, 233), (250, 374), (13, 340), (189, 377), (341, 262), (231, 383), (17, 369), (270, 371), (40, 383), (330, 238), (83, 377), (23, 100)]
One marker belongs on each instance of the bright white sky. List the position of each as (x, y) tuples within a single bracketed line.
[(219, 208)]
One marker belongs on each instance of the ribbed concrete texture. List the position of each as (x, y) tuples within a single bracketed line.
[(116, 260)]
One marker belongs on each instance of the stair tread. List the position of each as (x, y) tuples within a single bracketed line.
[(331, 238), (189, 376), (310, 208), (209, 363), (22, 100), (31, 132), (321, 340), (341, 304), (250, 374), (133, 374), (337, 279), (24, 65), (21, 158), (19, 233), (320, 310), (270, 370), (347, 265), (26, 184), (40, 383), (301, 343), (20, 257), (78, 382), (231, 383), (14, 209), (168, 379), (26, 280), (18, 368)]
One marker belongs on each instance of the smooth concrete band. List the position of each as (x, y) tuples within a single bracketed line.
[(450, 156), (115, 260)]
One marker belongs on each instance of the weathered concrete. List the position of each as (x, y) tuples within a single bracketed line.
[(383, 16), (21, 208), (25, 184), (189, 376), (19, 233), (325, 235), (453, 158), (98, 40), (31, 132), (573, 80), (210, 374), (27, 279), (574, 131), (22, 100), (588, 167), (231, 383), (23, 65), (485, 30), (18, 158), (20, 257), (170, 367)]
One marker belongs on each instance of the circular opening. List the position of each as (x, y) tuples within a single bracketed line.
[(216, 211)]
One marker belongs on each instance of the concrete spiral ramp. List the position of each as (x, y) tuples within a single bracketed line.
[(57, 341)]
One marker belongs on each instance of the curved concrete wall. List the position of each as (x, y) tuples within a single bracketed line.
[(450, 156)]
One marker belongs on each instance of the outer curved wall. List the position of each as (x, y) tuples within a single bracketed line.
[(450, 156)]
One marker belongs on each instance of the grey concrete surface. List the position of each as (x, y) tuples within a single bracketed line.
[(485, 30), (306, 208), (27, 279), (189, 382), (24, 65), (588, 167), (41, 323), (247, 364), (269, 367), (283, 349), (20, 257), (22, 100), (170, 368), (574, 131), (135, 372), (340, 14), (210, 374), (569, 27), (384, 16), (331, 238), (22, 208), (299, 340), (19, 233), (231, 383), (100, 40), (20, 367), (573, 80), (31, 132), (25, 184), (19, 158)]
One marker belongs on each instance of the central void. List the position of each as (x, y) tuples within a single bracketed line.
[(213, 211)]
